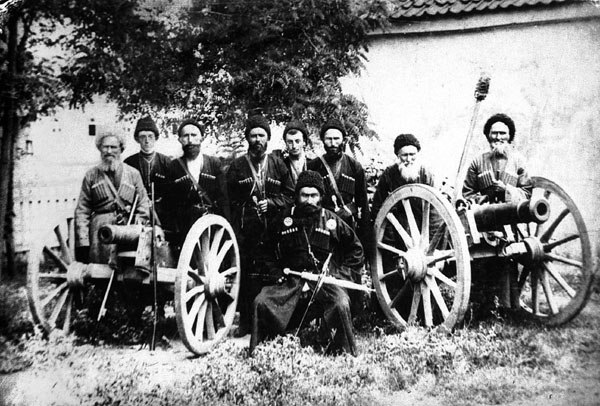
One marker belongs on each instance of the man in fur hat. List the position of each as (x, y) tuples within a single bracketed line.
[(108, 192), (196, 181), (259, 187), (497, 176), (303, 237), (408, 169), (150, 164)]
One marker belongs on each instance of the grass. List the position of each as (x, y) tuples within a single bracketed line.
[(492, 361)]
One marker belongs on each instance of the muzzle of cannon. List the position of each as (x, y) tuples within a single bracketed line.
[(495, 216), (117, 234)]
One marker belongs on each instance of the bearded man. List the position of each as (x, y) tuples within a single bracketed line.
[(408, 169), (259, 187), (152, 165), (107, 195), (302, 239), (498, 175), (196, 182)]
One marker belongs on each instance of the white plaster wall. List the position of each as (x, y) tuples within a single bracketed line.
[(546, 77)]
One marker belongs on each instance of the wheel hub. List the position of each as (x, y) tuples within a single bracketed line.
[(76, 273), (535, 249), (415, 264), (215, 282)]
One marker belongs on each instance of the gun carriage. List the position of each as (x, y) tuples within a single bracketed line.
[(426, 242), (204, 280)]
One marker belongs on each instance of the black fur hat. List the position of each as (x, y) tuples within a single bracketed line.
[(406, 139), (502, 118), (333, 123), (310, 179), (257, 122), (296, 125), (190, 121), (146, 124)]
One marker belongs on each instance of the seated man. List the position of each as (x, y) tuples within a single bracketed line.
[(107, 195), (303, 238)]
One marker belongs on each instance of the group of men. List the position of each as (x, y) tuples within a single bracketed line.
[(287, 212)]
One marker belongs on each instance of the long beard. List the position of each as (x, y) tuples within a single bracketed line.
[(501, 150), (257, 149), (410, 173), (335, 152), (109, 166), (307, 209), (191, 151)]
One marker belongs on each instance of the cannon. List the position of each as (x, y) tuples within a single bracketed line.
[(203, 277), (426, 241)]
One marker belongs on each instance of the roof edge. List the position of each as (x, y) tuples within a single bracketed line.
[(491, 20)]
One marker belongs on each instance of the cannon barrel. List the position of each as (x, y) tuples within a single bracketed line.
[(117, 234), (495, 216)]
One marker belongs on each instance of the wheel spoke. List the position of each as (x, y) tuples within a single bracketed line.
[(58, 260), (215, 244), (523, 277), (391, 249), (53, 294), (438, 256), (191, 315), (548, 292), (67, 324), (433, 271), (193, 274), (59, 305), (412, 222), (219, 259), (199, 334), (560, 280), (64, 250), (205, 245), (427, 305), (564, 260), (555, 223), (414, 306), (437, 237), (437, 295), (403, 234), (210, 324), (393, 302), (388, 274), (535, 305), (193, 292), (218, 315), (71, 236), (53, 275), (230, 271), (551, 245), (425, 224)]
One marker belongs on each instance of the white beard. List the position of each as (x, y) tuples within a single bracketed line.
[(410, 173), (501, 150), (109, 166)]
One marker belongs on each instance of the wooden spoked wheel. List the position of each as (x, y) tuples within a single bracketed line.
[(421, 266), (207, 283), (55, 279), (556, 279)]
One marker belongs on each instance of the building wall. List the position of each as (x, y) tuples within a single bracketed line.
[(545, 76)]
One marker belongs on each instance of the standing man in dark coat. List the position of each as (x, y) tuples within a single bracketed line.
[(107, 195), (345, 184), (295, 136), (196, 181), (259, 187), (150, 164), (497, 176), (302, 239)]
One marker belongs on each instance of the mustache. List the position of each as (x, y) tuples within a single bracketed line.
[(500, 150)]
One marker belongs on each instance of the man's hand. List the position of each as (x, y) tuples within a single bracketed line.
[(262, 206), (499, 185)]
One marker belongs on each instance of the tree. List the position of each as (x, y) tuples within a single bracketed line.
[(215, 61)]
